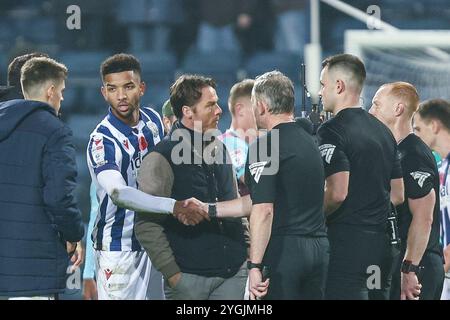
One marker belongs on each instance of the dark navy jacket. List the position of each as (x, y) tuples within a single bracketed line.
[(38, 211)]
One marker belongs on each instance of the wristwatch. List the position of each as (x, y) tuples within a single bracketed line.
[(408, 266), (251, 265), (212, 210)]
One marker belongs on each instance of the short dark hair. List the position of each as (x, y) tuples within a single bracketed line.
[(349, 63), (435, 109), (239, 90), (37, 71), (119, 63), (13, 77), (187, 91)]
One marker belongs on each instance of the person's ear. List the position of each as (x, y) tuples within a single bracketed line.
[(340, 86), (50, 92), (103, 90), (142, 88), (435, 126), (262, 108), (399, 109), (187, 112), (238, 109)]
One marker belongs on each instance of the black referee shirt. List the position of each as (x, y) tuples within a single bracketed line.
[(297, 188), (357, 142), (420, 175)]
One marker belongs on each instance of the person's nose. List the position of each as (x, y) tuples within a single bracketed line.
[(121, 94), (218, 110)]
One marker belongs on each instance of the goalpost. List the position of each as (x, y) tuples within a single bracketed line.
[(420, 57)]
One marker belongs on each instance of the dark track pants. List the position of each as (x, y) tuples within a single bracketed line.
[(355, 251), (298, 267)]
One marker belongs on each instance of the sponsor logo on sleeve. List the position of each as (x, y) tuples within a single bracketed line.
[(153, 128), (98, 151)]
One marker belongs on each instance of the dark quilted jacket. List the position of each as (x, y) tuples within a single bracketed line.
[(38, 212)]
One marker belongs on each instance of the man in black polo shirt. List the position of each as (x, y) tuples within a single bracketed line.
[(287, 224), (363, 175), (394, 104), (286, 183)]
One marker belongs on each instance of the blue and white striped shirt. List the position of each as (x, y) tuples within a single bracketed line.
[(444, 175), (114, 145)]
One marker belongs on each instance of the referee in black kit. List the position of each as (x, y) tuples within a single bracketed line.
[(363, 175), (419, 268), (287, 224)]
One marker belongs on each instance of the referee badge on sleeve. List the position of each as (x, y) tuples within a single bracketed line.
[(327, 151), (420, 177), (256, 170)]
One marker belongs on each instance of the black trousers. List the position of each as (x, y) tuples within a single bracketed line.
[(298, 267), (387, 270), (431, 278), (357, 255)]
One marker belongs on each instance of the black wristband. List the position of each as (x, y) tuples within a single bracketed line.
[(251, 265), (212, 210), (408, 267)]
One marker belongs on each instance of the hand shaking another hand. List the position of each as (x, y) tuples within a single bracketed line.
[(191, 212)]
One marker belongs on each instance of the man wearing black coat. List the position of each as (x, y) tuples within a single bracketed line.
[(39, 220)]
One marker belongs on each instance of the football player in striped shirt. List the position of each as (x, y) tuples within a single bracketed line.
[(114, 154)]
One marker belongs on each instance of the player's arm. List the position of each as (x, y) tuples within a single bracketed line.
[(240, 207), (419, 181), (397, 182), (260, 232), (127, 197), (419, 178), (336, 191), (102, 157), (263, 194), (419, 231), (337, 168), (397, 191), (105, 162), (156, 177), (418, 236)]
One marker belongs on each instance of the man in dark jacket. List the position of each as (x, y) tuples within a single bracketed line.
[(13, 89), (206, 261), (39, 220)]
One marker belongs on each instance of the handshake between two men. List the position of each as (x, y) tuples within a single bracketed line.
[(192, 211)]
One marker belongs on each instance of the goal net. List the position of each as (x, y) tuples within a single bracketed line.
[(421, 58)]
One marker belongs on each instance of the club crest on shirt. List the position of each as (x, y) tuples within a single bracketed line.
[(327, 151), (256, 170), (420, 177)]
